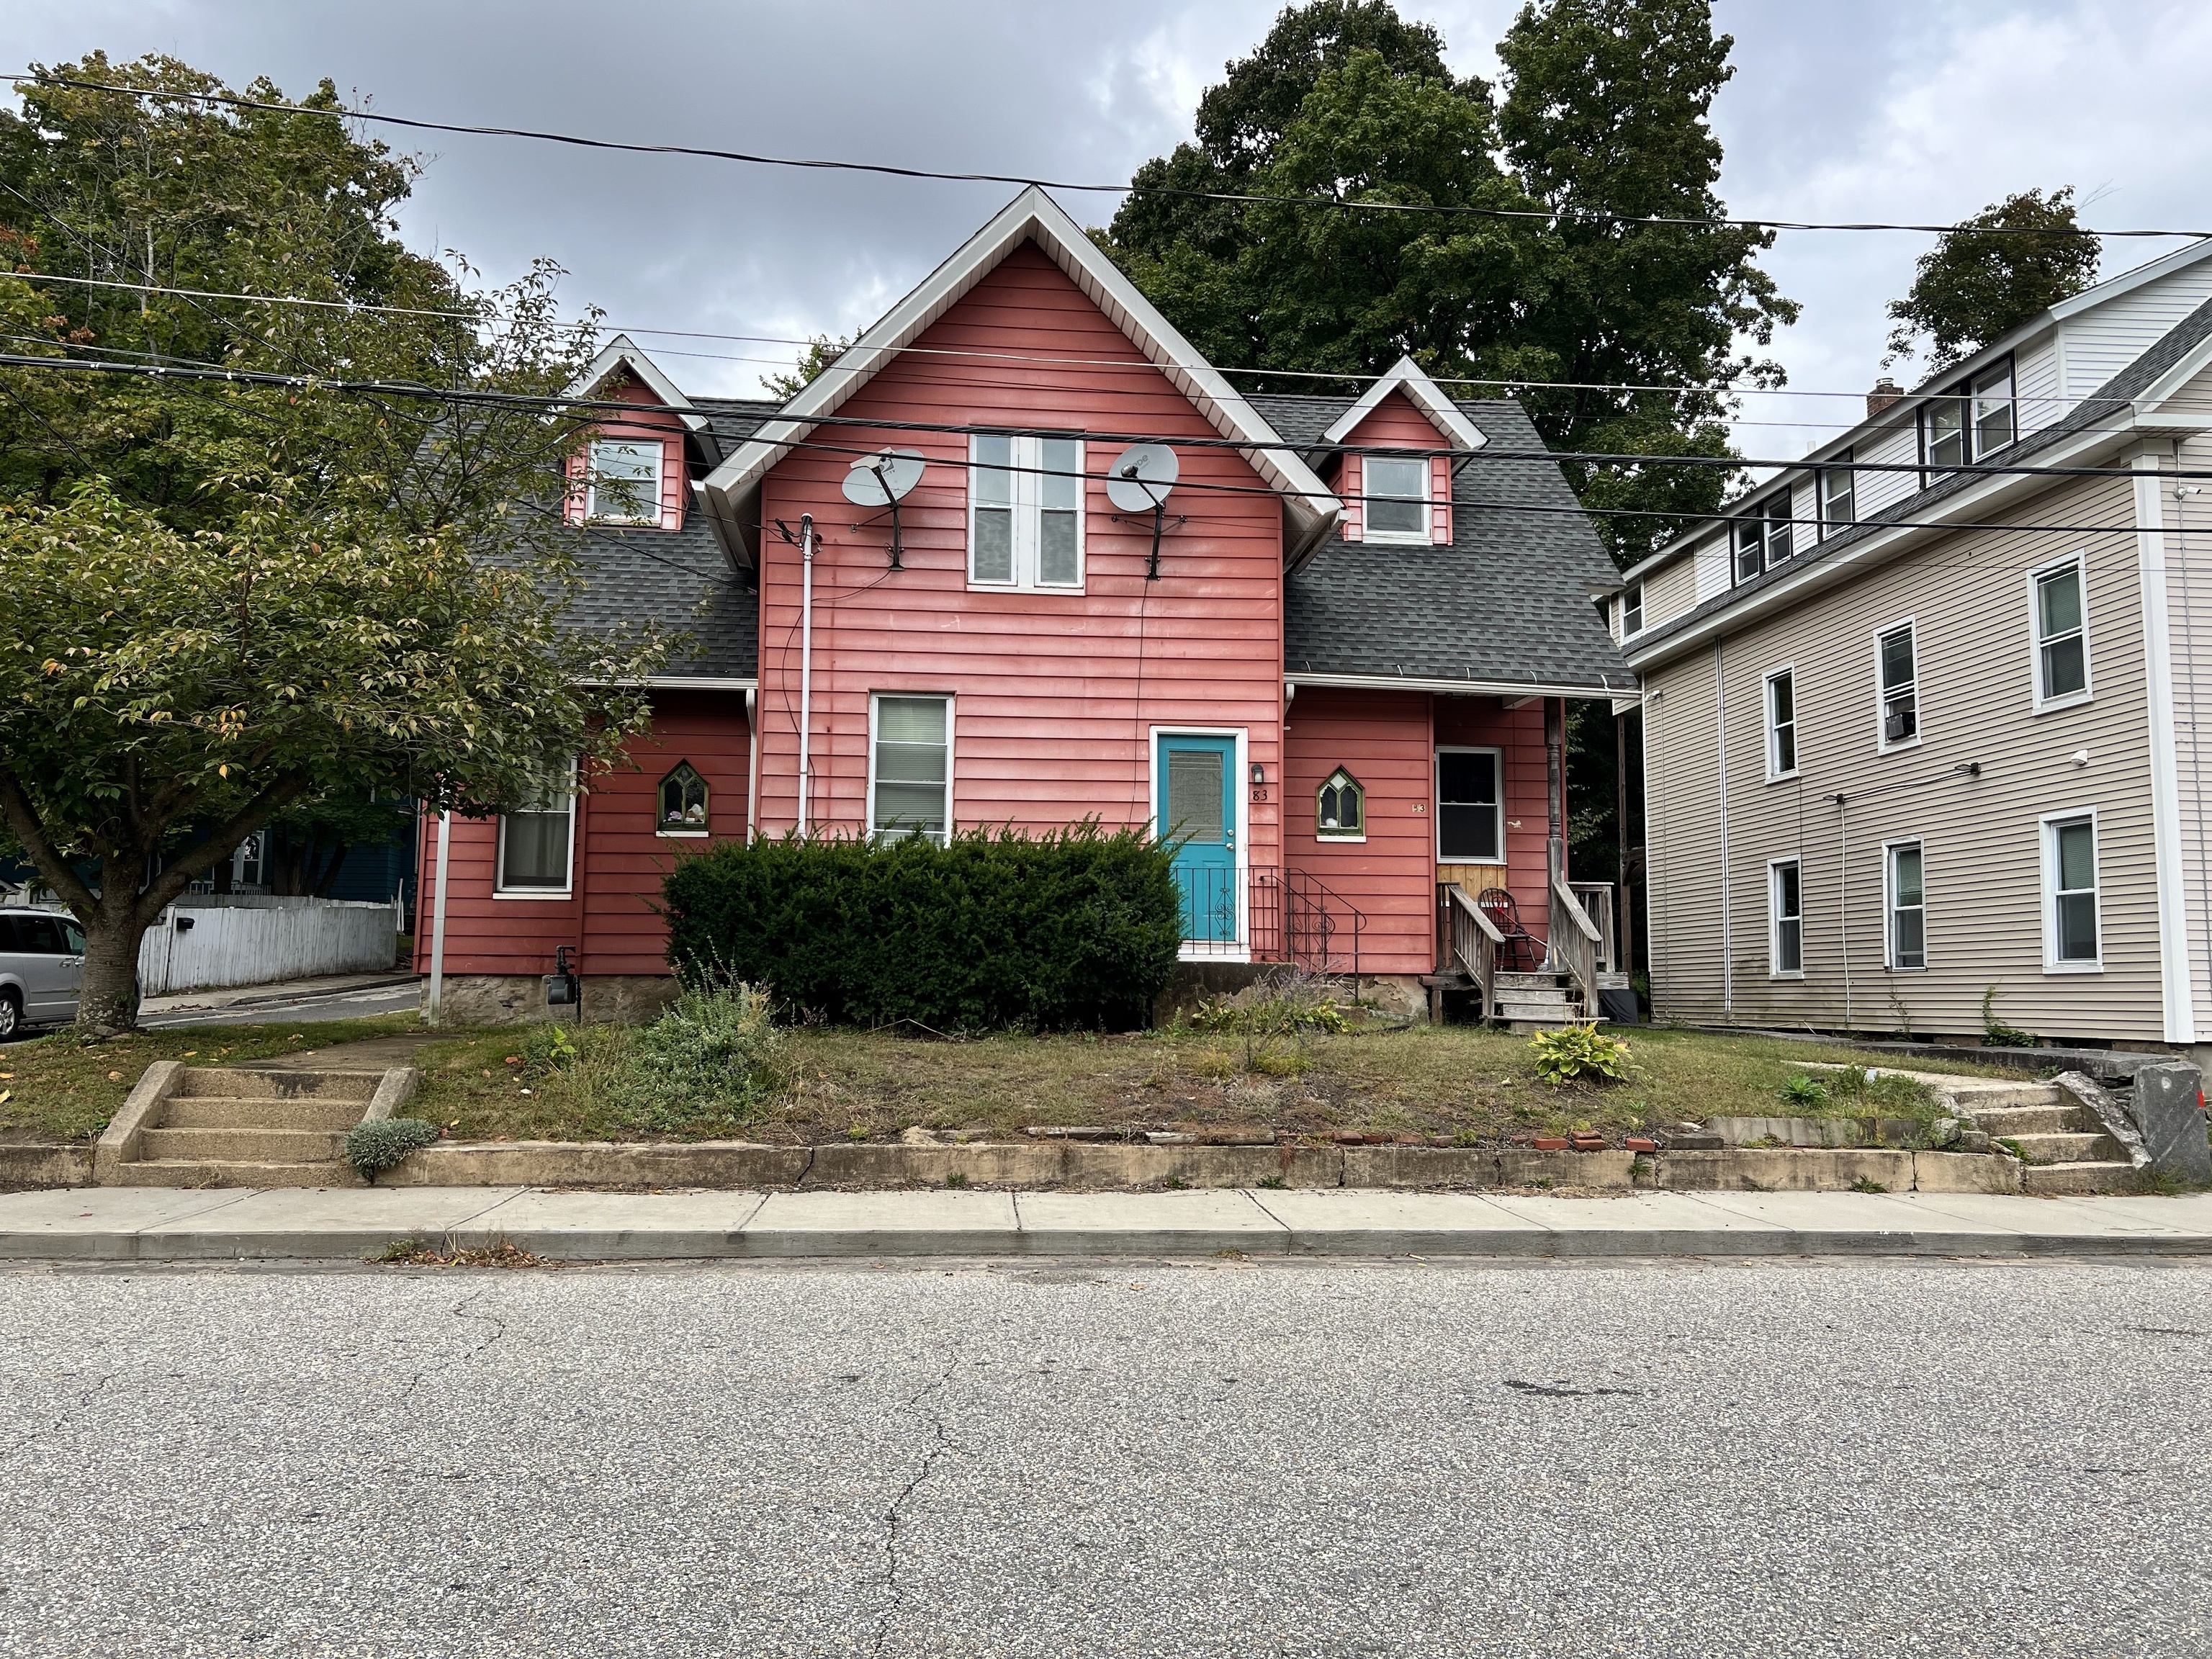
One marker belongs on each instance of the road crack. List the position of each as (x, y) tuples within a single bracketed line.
[(894, 1517)]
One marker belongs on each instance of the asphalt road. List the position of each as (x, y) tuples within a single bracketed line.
[(354, 1004), (1772, 1459)]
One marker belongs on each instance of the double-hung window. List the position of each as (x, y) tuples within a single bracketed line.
[(1837, 506), (2062, 643), (1781, 723), (1969, 420), (1897, 661), (1907, 895), (2070, 942), (624, 483), (1762, 537), (1395, 489), (1025, 513), (1785, 909), (1631, 611), (910, 767), (536, 840), (1470, 807)]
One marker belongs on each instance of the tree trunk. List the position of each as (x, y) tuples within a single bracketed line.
[(109, 1001)]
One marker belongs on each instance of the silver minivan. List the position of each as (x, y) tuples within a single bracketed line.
[(41, 968)]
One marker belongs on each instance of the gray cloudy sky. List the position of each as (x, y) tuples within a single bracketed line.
[(1879, 109)]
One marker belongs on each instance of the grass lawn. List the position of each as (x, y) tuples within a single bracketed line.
[(54, 1088), (1456, 1082)]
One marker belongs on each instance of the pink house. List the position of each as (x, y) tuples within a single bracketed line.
[(1334, 661)]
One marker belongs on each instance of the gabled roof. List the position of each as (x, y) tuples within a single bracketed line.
[(1309, 509), (1409, 377), (620, 352)]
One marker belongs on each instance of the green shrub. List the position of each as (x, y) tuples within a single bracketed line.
[(372, 1148), (1075, 928), (1803, 1091), (712, 1054), (1278, 1004), (1580, 1051)]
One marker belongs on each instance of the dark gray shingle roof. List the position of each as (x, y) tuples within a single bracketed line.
[(1508, 600)]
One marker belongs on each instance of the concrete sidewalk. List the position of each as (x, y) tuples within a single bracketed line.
[(292, 990), (163, 1225)]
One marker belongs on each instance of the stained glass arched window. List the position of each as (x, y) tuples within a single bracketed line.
[(1342, 807), (683, 802)]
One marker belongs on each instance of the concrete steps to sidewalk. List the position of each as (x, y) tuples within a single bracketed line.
[(2064, 1148), (203, 1125)]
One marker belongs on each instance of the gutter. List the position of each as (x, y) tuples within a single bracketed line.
[(1463, 688)]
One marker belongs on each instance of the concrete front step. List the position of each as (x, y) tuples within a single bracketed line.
[(199, 1172), (247, 1146), (2097, 1148), (218, 1083), (2075, 1180), (2014, 1121), (1993, 1094), (309, 1112)]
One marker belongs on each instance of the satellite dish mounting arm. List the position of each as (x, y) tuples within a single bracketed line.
[(891, 495)]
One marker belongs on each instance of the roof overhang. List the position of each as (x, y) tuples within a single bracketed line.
[(1309, 509), (1461, 687), (620, 352), (1409, 377)]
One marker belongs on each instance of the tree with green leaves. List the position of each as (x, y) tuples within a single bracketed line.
[(222, 602), (1981, 281), (819, 352), (1538, 274)]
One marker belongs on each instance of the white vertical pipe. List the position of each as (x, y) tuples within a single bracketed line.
[(806, 675), (438, 918), (752, 764)]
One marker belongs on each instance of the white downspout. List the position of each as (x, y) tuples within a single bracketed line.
[(752, 765), (431, 1010), (806, 674)]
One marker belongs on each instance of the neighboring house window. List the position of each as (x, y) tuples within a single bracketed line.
[(910, 768), (1908, 906), (623, 486), (1762, 537), (1900, 669), (683, 802), (535, 839), (1340, 809), (1470, 807), (246, 862), (1396, 490), (2070, 881), (1782, 724), (1026, 512), (2062, 645), (1969, 420), (1786, 909), (1631, 610), (1836, 505)]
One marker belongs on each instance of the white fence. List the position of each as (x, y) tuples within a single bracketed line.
[(245, 939)]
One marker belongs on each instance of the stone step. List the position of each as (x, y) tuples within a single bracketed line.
[(1990, 1093), (203, 1172), (308, 1112), (2074, 1179), (1529, 981), (1550, 1013), (241, 1146), (2097, 1148), (231, 1083), (2074, 1119)]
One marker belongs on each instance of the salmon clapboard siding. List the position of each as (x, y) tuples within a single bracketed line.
[(652, 420), (1396, 424), (1055, 693)]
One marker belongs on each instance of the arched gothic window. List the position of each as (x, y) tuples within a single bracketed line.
[(683, 802), (1341, 808)]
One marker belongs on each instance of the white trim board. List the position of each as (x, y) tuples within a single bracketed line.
[(1521, 689), (620, 352), (2179, 1000), (1407, 376)]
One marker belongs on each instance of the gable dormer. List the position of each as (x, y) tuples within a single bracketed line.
[(1403, 492), (632, 471)]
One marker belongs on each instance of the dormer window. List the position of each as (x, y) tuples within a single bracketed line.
[(1396, 489), (1631, 611), (1340, 811), (1966, 422), (623, 486), (683, 802), (1762, 537)]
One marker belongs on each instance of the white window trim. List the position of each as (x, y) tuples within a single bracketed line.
[(2047, 858), (1787, 670), (682, 835), (1421, 538), (1826, 526), (1889, 903), (2044, 705), (875, 699), (1329, 838), (1636, 588), (567, 888), (1883, 745), (1774, 919), (660, 448), (1028, 505), (1192, 950), (1437, 797)]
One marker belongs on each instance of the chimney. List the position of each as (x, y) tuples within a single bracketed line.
[(1885, 391)]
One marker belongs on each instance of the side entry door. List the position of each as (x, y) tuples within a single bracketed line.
[(1198, 814)]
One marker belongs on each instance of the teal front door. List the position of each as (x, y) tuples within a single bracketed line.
[(1198, 815)]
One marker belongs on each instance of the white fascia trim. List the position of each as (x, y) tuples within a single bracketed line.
[(1407, 376), (1033, 215), (620, 352), (2149, 404), (1517, 689), (2113, 287), (2165, 776), (680, 682)]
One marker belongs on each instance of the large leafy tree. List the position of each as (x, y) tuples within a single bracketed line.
[(1992, 273), (220, 602), (1604, 115)]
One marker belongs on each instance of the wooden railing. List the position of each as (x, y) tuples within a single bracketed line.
[(1597, 899), (1573, 942), (1474, 944)]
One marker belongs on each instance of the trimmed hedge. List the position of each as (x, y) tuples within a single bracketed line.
[(1071, 929)]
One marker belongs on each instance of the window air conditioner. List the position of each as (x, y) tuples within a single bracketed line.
[(1897, 726)]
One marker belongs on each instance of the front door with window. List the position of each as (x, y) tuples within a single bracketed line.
[(1198, 818)]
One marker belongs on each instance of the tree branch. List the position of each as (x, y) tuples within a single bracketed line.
[(198, 861), (23, 819)]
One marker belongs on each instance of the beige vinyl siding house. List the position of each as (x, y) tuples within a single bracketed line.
[(1953, 748)]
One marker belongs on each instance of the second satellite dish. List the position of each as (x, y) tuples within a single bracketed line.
[(880, 480), (1140, 478)]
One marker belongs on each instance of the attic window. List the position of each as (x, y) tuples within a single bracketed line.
[(1340, 811), (624, 484), (1396, 489), (683, 802)]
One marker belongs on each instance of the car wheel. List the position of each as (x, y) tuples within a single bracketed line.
[(11, 1015)]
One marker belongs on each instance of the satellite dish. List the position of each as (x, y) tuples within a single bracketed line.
[(879, 480), (1140, 477)]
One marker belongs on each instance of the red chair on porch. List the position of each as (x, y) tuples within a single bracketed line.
[(1496, 904)]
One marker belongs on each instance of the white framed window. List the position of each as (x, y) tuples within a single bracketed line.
[(1340, 808), (909, 766), (1470, 806), (1781, 724), (1897, 686), (1837, 505), (1631, 610), (1395, 490), (1785, 919), (2058, 608), (1969, 420), (1025, 513), (1763, 537), (622, 485), (537, 842), (2073, 941), (1904, 903), (1991, 408)]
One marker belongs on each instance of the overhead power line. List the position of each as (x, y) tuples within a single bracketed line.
[(1595, 216)]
